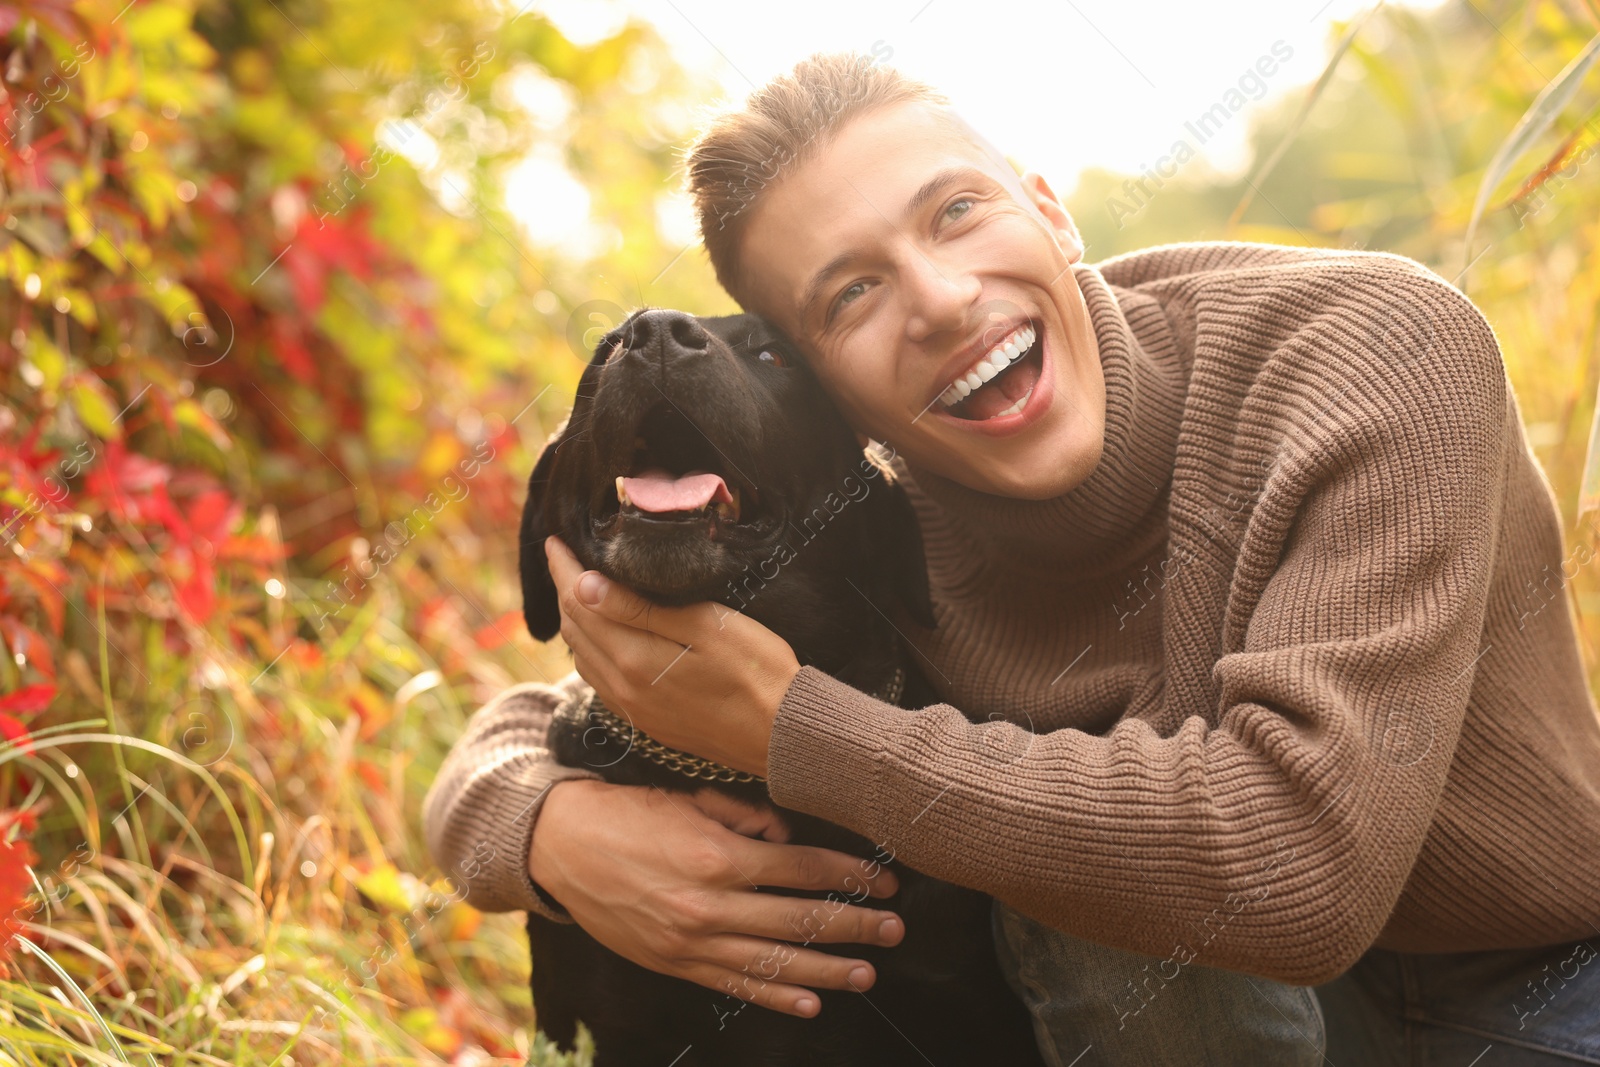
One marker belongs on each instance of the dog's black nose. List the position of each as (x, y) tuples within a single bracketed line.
[(664, 337)]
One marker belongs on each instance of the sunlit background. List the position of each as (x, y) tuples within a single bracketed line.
[(293, 292), (1059, 86)]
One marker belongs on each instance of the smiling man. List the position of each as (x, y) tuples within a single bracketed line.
[(946, 324), (1243, 725)]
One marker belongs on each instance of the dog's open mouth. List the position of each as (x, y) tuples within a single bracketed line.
[(678, 476)]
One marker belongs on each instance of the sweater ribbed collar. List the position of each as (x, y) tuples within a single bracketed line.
[(1118, 511)]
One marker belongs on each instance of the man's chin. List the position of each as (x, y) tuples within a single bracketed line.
[(1034, 466)]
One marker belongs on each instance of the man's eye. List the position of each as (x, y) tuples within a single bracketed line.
[(958, 208), (851, 292)]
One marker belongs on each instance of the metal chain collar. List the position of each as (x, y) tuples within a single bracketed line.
[(690, 766)]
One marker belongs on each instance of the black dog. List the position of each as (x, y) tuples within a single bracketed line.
[(701, 461)]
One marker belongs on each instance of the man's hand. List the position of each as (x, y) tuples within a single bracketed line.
[(702, 678), (668, 880)]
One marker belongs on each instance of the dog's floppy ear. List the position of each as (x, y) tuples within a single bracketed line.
[(894, 544), (539, 606)]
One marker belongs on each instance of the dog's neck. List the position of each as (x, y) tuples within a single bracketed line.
[(861, 647), (874, 672)]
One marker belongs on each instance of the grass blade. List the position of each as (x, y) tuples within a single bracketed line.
[(66, 979), (1550, 102), (1312, 96)]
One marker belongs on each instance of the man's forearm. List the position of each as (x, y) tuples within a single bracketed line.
[(479, 815)]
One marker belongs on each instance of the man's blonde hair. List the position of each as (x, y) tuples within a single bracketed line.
[(743, 150)]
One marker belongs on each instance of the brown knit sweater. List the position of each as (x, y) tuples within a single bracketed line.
[(1272, 686)]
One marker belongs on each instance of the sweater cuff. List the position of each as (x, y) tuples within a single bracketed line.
[(828, 745), (500, 876)]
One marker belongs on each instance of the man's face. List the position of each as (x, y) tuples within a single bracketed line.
[(902, 255)]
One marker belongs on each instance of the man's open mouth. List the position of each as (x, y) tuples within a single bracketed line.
[(678, 476), (1000, 382)]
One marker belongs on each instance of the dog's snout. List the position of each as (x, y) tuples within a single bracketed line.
[(665, 337), (687, 333)]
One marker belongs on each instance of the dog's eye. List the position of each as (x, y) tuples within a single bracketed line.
[(770, 356)]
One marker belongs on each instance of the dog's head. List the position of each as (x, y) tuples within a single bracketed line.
[(702, 461)]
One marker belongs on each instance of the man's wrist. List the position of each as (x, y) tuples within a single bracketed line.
[(535, 867), (776, 690)]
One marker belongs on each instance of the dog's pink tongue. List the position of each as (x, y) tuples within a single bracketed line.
[(656, 489)]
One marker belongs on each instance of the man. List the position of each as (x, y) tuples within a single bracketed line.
[(1230, 561)]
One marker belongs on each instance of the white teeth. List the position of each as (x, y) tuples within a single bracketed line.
[(622, 494), (1014, 408), (993, 362)]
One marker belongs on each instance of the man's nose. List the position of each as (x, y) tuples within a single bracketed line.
[(663, 338), (939, 297)]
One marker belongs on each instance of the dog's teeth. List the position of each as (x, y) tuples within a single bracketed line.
[(622, 493)]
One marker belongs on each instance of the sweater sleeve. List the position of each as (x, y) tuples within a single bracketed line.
[(1275, 836), (479, 813)]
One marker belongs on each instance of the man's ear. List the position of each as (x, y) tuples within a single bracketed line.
[(539, 605), (894, 546), (1044, 198)]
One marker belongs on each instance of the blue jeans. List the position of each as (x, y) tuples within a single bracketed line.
[(1095, 1006)]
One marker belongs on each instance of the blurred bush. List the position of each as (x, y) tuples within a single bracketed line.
[(275, 359), (274, 365)]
